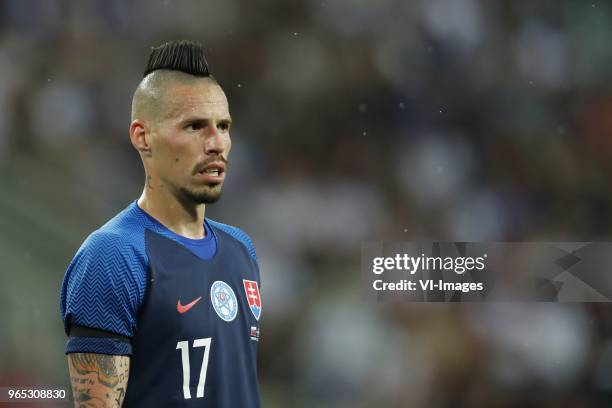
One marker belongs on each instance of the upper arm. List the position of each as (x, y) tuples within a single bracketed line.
[(103, 289), (98, 380)]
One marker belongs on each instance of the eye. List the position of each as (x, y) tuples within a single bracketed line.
[(194, 127), (224, 126)]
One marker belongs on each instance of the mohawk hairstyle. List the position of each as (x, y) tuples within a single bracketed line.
[(184, 56)]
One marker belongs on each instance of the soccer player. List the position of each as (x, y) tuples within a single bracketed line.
[(161, 305)]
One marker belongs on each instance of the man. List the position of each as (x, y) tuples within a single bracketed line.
[(161, 304)]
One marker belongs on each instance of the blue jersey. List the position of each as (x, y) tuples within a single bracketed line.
[(193, 319)]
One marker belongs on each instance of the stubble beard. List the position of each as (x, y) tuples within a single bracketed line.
[(206, 195)]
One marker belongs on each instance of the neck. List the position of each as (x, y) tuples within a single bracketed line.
[(180, 217)]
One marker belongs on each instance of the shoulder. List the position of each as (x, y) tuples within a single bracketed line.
[(122, 235), (107, 250), (237, 234), (110, 256)]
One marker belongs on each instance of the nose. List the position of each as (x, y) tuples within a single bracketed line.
[(215, 141)]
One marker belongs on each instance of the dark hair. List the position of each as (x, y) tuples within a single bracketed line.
[(185, 56)]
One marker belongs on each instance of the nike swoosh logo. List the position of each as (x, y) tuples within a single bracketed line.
[(182, 309)]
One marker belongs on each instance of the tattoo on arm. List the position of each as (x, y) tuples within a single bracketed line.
[(101, 364), (98, 380)]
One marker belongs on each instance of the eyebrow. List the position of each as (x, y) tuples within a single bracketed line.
[(195, 119)]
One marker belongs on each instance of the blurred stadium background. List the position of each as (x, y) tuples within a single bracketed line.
[(354, 120)]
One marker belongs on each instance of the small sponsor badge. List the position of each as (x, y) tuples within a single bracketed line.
[(254, 333), (252, 294)]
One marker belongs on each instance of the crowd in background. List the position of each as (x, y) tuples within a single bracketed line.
[(354, 120)]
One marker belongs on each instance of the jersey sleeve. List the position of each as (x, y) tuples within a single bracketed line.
[(103, 289)]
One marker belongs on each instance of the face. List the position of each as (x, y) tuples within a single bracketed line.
[(191, 142)]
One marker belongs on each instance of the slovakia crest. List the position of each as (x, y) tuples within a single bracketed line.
[(252, 294)]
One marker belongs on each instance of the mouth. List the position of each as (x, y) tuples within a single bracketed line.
[(214, 172)]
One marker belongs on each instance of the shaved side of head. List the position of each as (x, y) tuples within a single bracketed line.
[(152, 99)]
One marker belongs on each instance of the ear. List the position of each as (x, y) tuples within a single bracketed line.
[(140, 135)]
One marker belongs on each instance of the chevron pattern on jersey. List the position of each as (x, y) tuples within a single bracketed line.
[(238, 234), (98, 345), (105, 283)]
